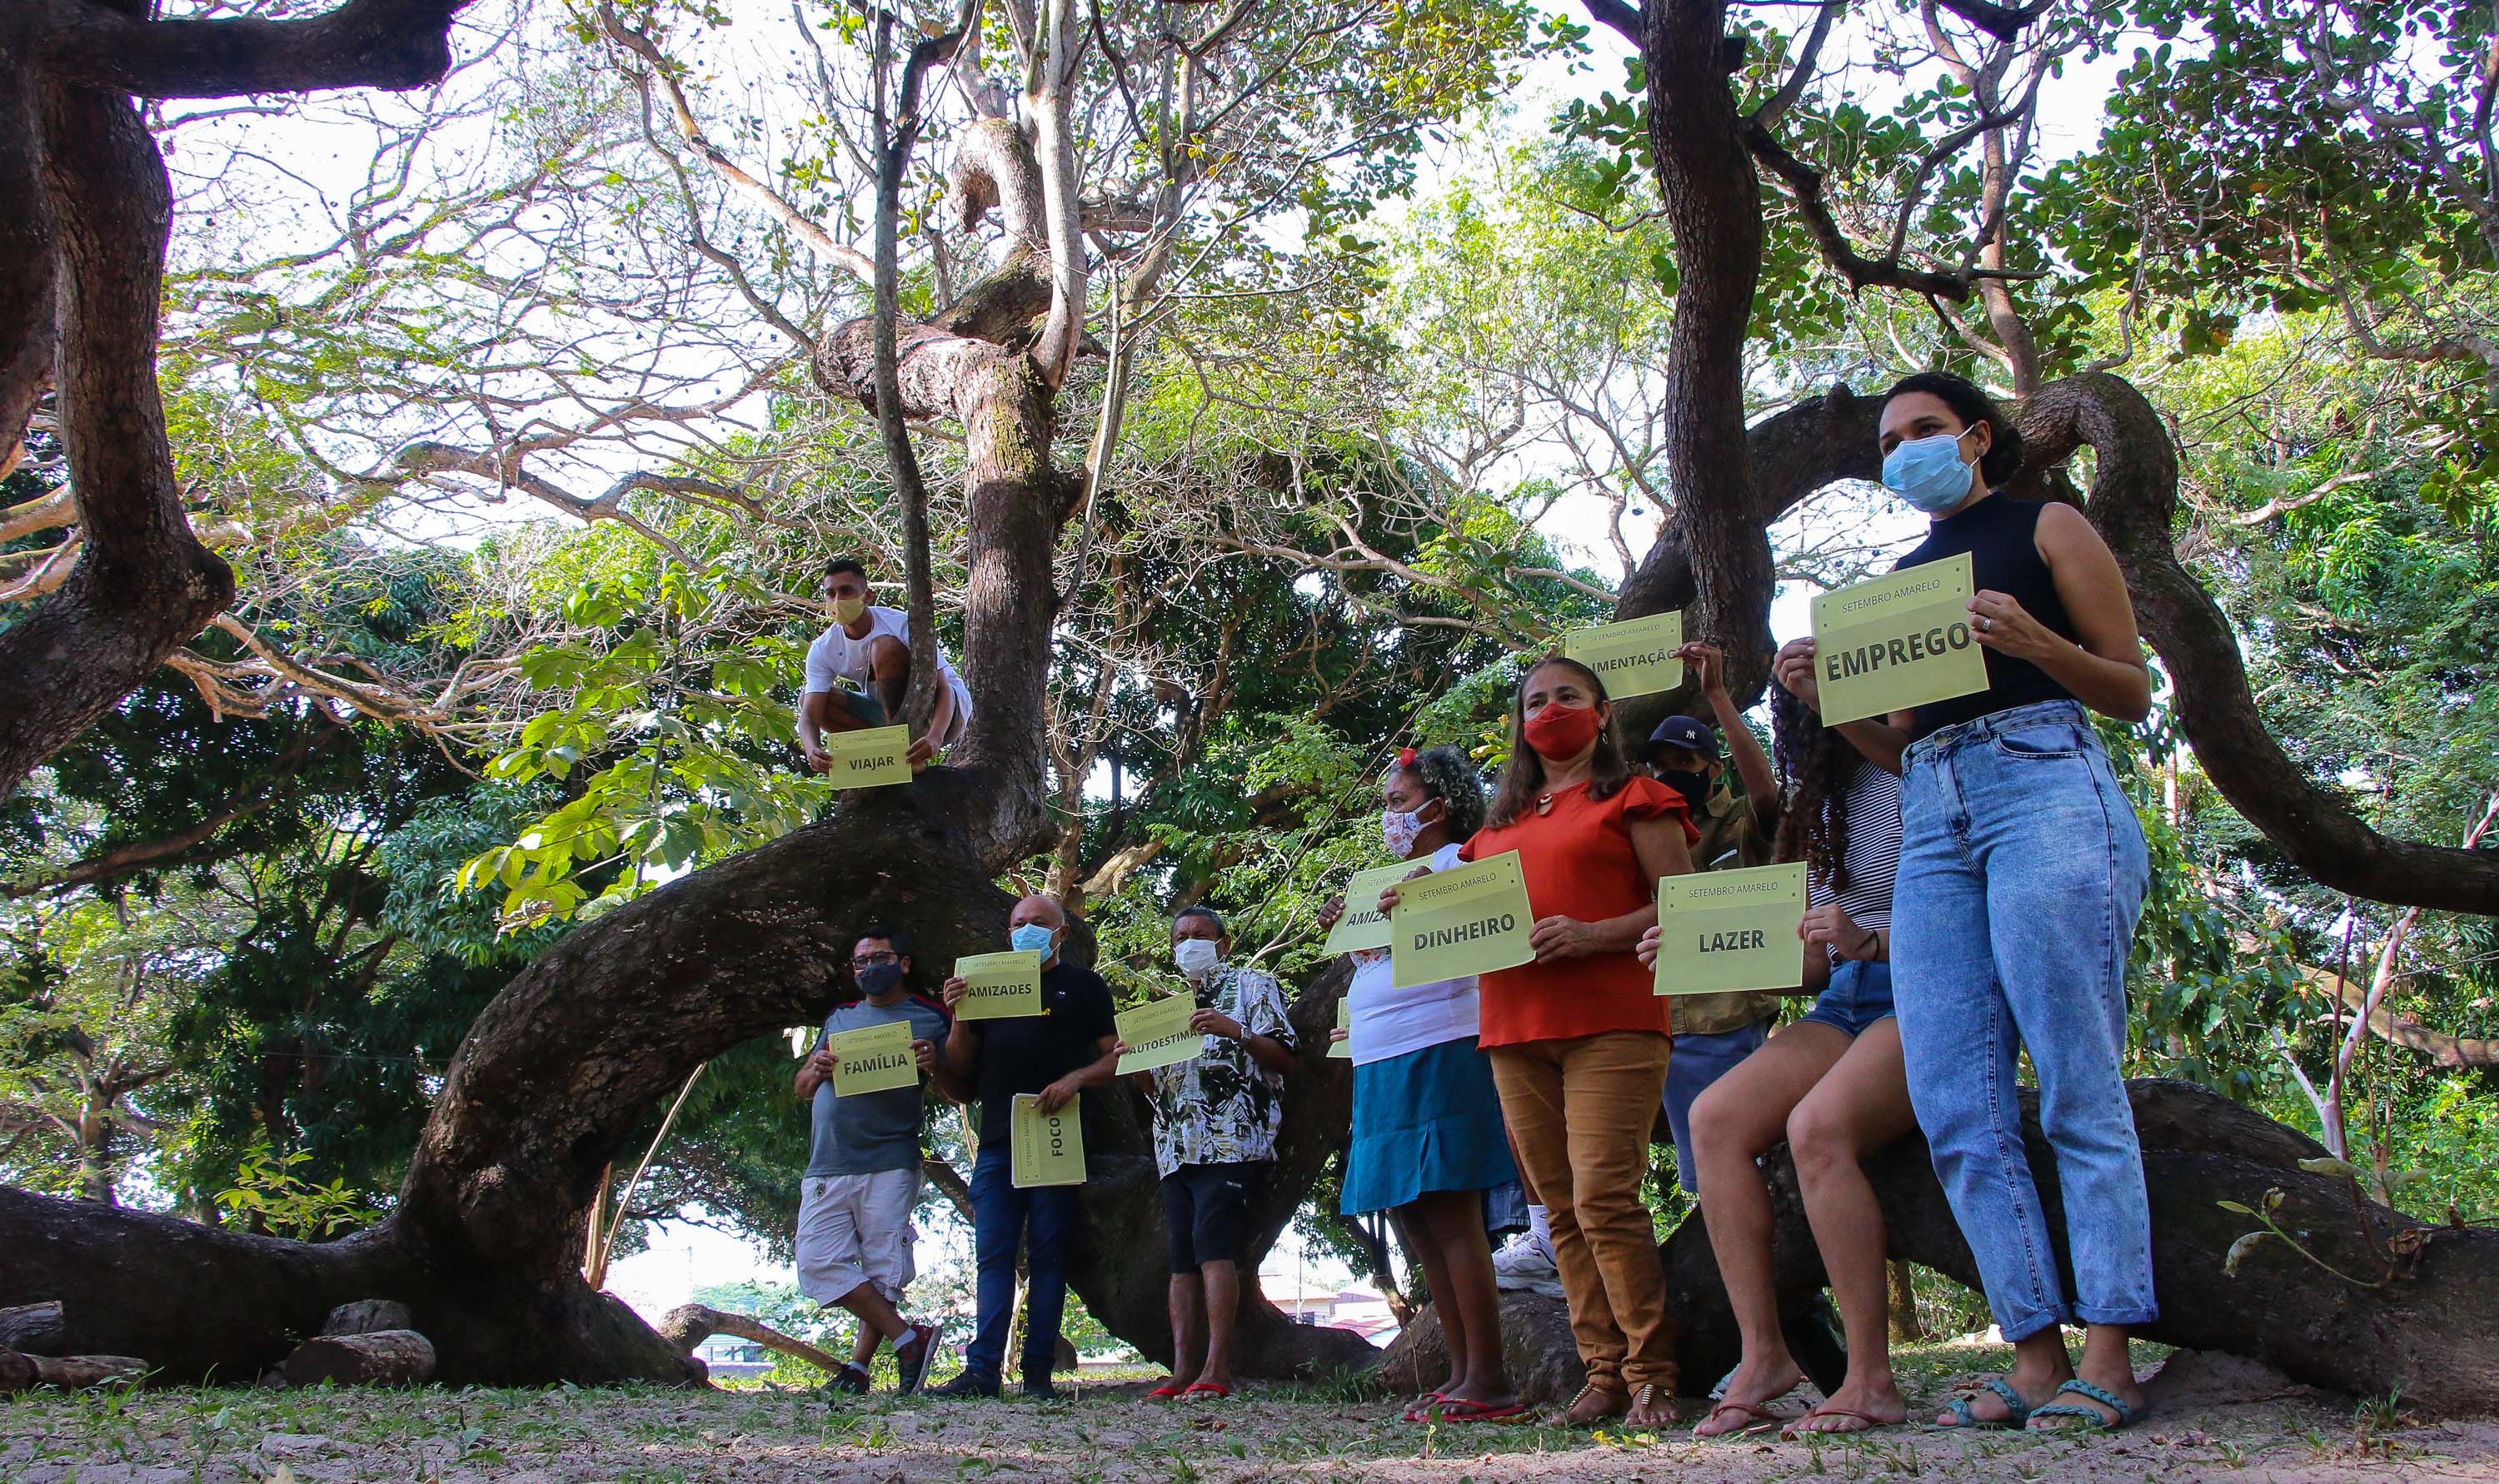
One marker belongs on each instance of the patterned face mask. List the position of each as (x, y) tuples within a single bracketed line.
[(1402, 829)]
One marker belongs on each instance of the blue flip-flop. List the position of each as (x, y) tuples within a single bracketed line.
[(2018, 1411), (2126, 1416)]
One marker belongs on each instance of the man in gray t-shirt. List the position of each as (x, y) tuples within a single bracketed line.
[(862, 1180)]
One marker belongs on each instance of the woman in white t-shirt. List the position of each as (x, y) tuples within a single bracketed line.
[(1428, 1140)]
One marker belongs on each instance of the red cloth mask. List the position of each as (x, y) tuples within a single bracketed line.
[(1560, 732)]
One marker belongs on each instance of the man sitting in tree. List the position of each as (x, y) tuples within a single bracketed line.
[(857, 670), (854, 1235), (1215, 1116)]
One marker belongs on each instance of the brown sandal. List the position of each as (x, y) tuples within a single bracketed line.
[(1615, 1405), (1645, 1393)]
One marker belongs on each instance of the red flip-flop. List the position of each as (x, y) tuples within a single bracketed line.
[(1207, 1389), (1421, 1409), (1460, 1409), (1166, 1391)]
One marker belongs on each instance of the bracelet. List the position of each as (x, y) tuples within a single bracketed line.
[(1874, 938)]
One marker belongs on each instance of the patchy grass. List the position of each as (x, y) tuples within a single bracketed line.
[(1321, 1431)]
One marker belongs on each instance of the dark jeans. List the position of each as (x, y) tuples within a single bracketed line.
[(1043, 1219)]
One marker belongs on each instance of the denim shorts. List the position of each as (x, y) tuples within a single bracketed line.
[(1859, 994)]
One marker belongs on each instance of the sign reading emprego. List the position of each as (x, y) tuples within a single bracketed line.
[(1896, 642), (1722, 930), (1633, 657), (1471, 920)]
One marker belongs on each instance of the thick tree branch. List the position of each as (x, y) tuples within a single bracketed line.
[(2004, 22), (389, 44), (1804, 183)]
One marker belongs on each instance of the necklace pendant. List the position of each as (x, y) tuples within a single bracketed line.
[(1544, 803)]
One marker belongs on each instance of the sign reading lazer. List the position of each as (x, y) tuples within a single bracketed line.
[(1724, 930)]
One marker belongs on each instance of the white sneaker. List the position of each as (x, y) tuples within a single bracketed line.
[(1526, 1261)]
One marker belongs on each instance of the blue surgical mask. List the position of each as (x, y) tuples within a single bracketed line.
[(1031, 938), (1928, 474)]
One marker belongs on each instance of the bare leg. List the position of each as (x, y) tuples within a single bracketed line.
[(1423, 1239), (1742, 1114), (1189, 1327), (1222, 1282), (1860, 1105), (889, 674), (877, 1318), (1465, 1292)]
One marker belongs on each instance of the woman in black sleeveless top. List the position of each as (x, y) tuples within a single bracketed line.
[(2023, 871)]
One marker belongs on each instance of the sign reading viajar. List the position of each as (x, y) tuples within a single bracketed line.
[(1896, 642)]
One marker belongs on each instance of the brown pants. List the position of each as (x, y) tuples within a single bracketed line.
[(1579, 1113)]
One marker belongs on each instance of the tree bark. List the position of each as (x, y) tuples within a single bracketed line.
[(35, 1328), (68, 1373), (368, 1316), (2417, 1309), (378, 1357)]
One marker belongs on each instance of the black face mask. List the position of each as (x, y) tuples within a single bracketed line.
[(878, 977), (1694, 787)]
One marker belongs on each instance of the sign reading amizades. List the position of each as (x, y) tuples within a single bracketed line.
[(1896, 642), (1633, 657), (1471, 920)]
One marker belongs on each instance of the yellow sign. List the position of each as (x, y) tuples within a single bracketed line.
[(1047, 1148), (868, 759), (874, 1058), (1344, 1022), (1721, 930), (1364, 925), (1896, 642), (1470, 920), (1158, 1033), (1633, 657), (999, 987)]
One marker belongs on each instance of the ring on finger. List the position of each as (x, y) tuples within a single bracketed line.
[(1986, 625)]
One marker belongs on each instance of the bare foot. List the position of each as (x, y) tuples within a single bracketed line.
[(2125, 1391), (1750, 1390), (1858, 1407), (1990, 1408), (1594, 1404), (1489, 1396), (1654, 1406)]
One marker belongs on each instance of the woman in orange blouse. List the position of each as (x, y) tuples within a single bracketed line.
[(1577, 1039)]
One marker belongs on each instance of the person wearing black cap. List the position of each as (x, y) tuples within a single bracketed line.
[(1713, 1032)]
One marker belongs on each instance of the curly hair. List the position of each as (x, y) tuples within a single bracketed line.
[(1818, 763), (1450, 775), (1522, 777), (2003, 456)]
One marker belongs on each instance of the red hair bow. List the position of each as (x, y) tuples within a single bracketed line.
[(1406, 757)]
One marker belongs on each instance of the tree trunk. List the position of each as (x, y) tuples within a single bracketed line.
[(68, 1373), (1117, 1262), (380, 1358), (1901, 1295), (368, 1316), (35, 1328), (2417, 1309)]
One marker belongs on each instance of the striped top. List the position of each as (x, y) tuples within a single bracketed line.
[(1873, 851)]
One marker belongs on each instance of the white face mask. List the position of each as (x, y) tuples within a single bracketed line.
[(1197, 958), (1401, 830)]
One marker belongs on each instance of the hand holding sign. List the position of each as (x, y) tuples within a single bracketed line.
[(1725, 930), (1896, 642), (1157, 1034), (1363, 925), (1633, 657), (1048, 1148), (868, 759), (1471, 920), (873, 1058), (997, 987)]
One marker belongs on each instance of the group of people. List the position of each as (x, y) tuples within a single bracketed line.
[(1975, 873)]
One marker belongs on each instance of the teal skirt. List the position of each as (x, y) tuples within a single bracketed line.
[(1424, 1121)]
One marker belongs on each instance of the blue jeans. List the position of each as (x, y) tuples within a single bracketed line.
[(2022, 873), (1042, 1218), (1697, 1062)]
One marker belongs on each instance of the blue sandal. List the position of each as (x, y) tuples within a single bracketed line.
[(2018, 1411), (2126, 1416)]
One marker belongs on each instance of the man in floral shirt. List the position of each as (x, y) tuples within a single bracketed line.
[(1216, 1117)]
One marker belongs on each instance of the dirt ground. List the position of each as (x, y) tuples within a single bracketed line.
[(2224, 1421)]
